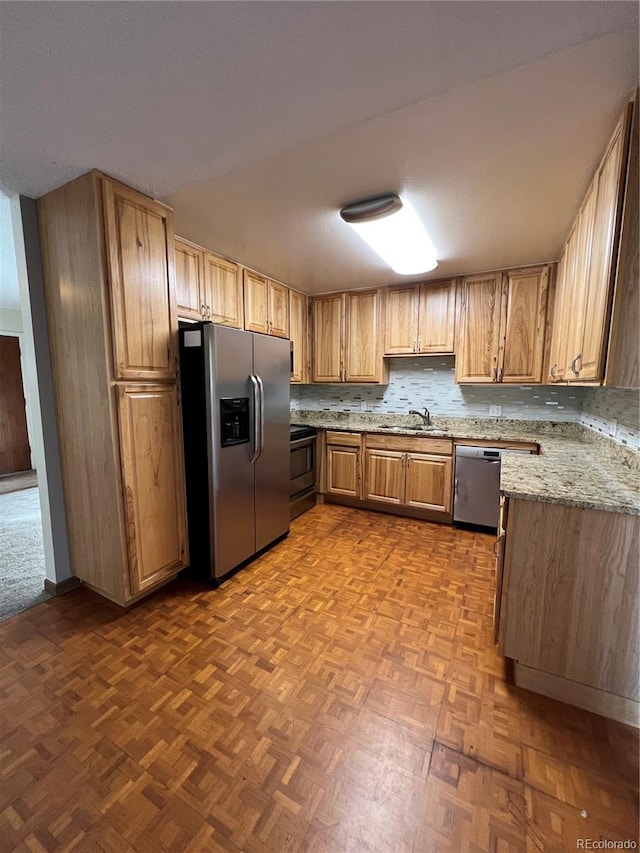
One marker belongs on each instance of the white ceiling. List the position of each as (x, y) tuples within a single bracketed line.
[(256, 121)]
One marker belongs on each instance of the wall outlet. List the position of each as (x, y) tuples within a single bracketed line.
[(495, 411), (613, 428), (363, 405)]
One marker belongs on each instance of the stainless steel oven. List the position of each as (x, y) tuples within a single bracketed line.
[(302, 488)]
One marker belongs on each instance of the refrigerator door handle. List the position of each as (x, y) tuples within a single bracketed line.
[(256, 419), (261, 394)]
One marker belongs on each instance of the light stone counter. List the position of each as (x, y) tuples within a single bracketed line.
[(576, 466)]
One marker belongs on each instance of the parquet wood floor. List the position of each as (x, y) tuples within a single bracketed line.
[(340, 695)]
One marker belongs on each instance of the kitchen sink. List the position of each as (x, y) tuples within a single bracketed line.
[(430, 428)]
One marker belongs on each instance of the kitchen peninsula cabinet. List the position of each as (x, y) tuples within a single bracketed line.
[(347, 337), (502, 326), (266, 305), (420, 319), (568, 613), (108, 269)]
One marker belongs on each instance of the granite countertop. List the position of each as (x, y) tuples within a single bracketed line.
[(576, 466)]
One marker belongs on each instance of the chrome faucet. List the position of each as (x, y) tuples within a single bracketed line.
[(426, 418)]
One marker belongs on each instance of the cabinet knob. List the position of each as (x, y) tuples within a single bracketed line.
[(573, 364)]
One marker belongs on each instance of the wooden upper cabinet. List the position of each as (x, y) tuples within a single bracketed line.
[(599, 282), (266, 305), (479, 328), (363, 336), (524, 316), (189, 264), (401, 327), (328, 334), (298, 335), (223, 291), (502, 326), (589, 303), (557, 351), (348, 337), (140, 257), (420, 318), (278, 303), (153, 482), (437, 314), (255, 303)]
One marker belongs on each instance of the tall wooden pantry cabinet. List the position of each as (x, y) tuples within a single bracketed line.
[(108, 266)]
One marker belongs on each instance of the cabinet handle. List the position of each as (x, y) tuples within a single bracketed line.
[(419, 344), (415, 345), (495, 545), (573, 364), (204, 311), (500, 375), (553, 371), (494, 374)]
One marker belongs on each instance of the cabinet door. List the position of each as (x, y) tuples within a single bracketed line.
[(437, 318), (223, 289), (298, 332), (189, 263), (363, 350), (384, 476), (557, 352), (401, 327), (278, 309), (343, 471), (140, 257), (524, 316), (602, 260), (255, 303), (582, 236), (429, 482), (327, 338), (479, 332), (153, 482)]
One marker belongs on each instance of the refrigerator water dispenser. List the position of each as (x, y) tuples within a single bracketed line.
[(234, 421)]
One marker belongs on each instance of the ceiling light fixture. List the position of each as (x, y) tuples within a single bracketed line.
[(391, 227)]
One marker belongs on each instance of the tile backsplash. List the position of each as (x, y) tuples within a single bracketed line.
[(429, 381)]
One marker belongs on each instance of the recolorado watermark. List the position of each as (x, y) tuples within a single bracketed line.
[(605, 844)]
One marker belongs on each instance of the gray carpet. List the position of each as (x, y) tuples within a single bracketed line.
[(21, 552)]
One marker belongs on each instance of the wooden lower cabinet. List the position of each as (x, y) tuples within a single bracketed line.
[(568, 613), (153, 483), (429, 481), (343, 471), (398, 473), (385, 476)]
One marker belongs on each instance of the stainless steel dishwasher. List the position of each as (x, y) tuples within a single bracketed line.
[(476, 492)]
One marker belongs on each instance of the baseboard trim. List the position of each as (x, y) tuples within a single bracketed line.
[(609, 705), (64, 586)]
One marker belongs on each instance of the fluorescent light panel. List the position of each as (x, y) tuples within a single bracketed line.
[(399, 239)]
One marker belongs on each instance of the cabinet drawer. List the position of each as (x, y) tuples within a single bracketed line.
[(409, 444), (346, 439)]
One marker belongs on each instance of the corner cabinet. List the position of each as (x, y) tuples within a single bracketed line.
[(108, 266), (298, 334), (420, 319), (347, 337), (502, 326)]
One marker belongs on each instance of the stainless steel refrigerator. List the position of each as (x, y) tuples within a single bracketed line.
[(235, 409)]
